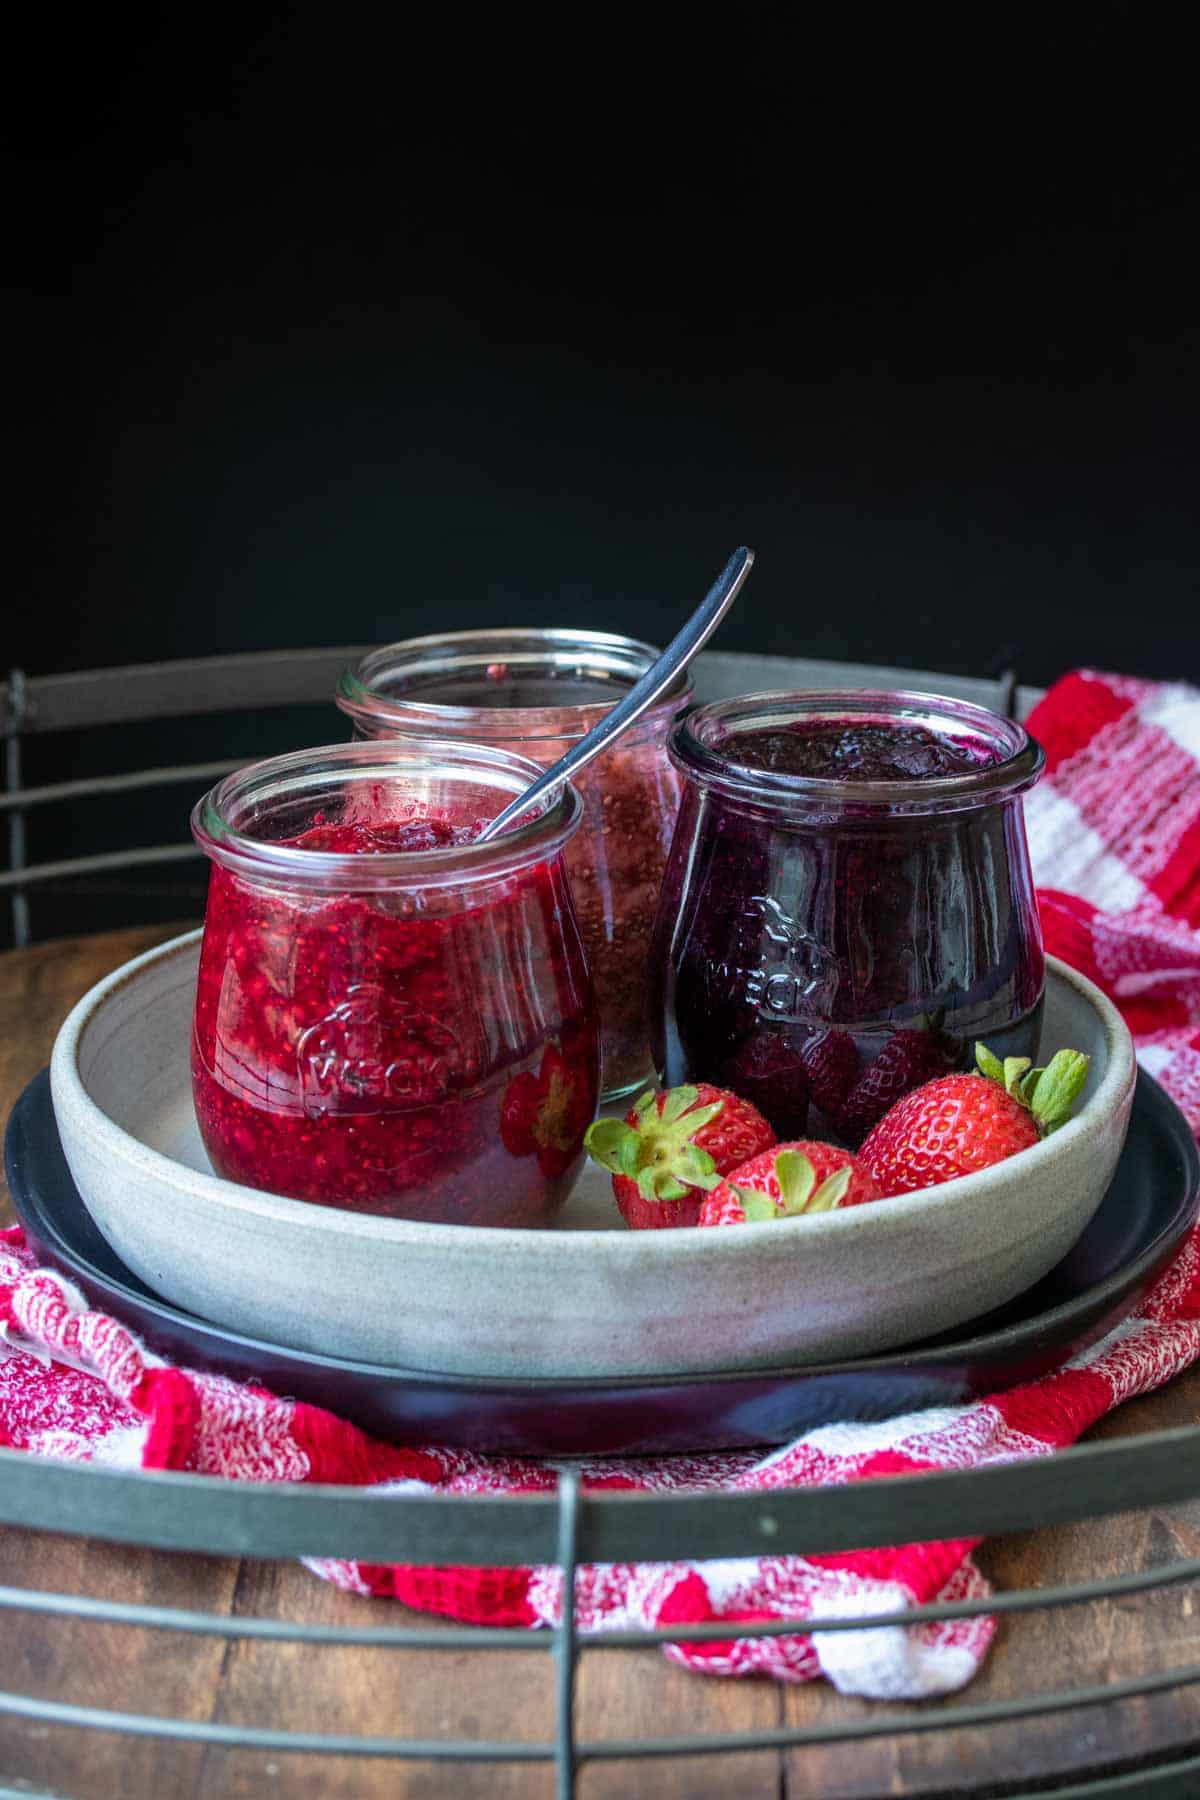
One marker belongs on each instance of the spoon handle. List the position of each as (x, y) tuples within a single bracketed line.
[(644, 692)]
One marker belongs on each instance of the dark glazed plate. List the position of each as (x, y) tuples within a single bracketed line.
[(1153, 1200)]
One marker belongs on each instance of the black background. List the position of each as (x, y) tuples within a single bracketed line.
[(337, 332), (334, 333)]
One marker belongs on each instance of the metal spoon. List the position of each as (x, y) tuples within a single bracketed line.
[(644, 692)]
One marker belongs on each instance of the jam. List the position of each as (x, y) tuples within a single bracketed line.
[(848, 905), (539, 691), (425, 1049), (864, 750), (353, 837)]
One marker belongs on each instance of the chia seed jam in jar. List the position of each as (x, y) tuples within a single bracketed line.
[(848, 905), (536, 692), (391, 1017)]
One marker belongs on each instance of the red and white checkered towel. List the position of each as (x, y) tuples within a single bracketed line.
[(1115, 834)]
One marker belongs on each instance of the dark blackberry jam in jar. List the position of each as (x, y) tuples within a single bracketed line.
[(848, 904), (389, 1016)]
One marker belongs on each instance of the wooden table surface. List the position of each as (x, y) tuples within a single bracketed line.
[(493, 1695)]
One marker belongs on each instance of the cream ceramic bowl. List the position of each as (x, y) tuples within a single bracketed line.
[(587, 1298)]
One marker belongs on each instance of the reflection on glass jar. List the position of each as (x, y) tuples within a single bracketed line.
[(848, 905), (537, 691), (390, 1017)]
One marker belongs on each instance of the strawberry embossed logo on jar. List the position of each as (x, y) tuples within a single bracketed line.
[(374, 984)]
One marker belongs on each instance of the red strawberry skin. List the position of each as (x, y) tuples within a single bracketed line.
[(906, 1061), (768, 1070), (831, 1064), (739, 1131), (723, 1206), (545, 1114), (782, 1071), (956, 1125)]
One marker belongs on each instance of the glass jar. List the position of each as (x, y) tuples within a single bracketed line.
[(825, 942), (537, 691), (389, 1018)]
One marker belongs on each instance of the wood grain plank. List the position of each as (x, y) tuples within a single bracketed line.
[(39, 986), (374, 1693), (116, 1667), (505, 1694), (481, 1695), (1044, 1652)]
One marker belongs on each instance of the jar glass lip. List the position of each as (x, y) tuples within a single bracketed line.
[(695, 746), (289, 789), (384, 691)]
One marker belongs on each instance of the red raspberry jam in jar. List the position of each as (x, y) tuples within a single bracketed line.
[(848, 904), (391, 1017), (536, 691)]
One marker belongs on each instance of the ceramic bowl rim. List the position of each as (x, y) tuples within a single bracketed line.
[(902, 1211)]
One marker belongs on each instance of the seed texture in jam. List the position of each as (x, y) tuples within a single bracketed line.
[(427, 1054)]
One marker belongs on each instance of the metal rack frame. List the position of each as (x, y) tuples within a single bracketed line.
[(196, 1513), (193, 1513), (34, 706)]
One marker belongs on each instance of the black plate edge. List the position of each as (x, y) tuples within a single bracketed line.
[(773, 1403), (983, 1345)]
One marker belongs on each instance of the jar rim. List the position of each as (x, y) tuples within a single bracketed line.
[(597, 656), (694, 748), (330, 768)]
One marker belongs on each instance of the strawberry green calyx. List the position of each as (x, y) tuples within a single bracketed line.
[(1008, 1073), (658, 1153), (798, 1190), (1049, 1094)]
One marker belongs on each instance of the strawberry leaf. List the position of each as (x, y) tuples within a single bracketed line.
[(645, 1104), (697, 1168), (1014, 1068), (797, 1178), (688, 1125), (677, 1101), (659, 1184), (832, 1191), (758, 1208), (1060, 1086), (988, 1064), (614, 1145)]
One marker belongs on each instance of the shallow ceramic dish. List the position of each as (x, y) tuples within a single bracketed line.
[(1148, 1209), (589, 1299)]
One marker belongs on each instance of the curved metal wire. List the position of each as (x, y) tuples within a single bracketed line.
[(200, 1514), (164, 1510), (1102, 1478)]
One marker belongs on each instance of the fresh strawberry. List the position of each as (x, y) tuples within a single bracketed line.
[(545, 1114), (960, 1124), (801, 1177), (831, 1063), (768, 1070), (908, 1059), (671, 1148)]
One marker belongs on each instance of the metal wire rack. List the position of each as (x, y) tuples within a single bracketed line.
[(179, 1512), (187, 1513), (33, 708)]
